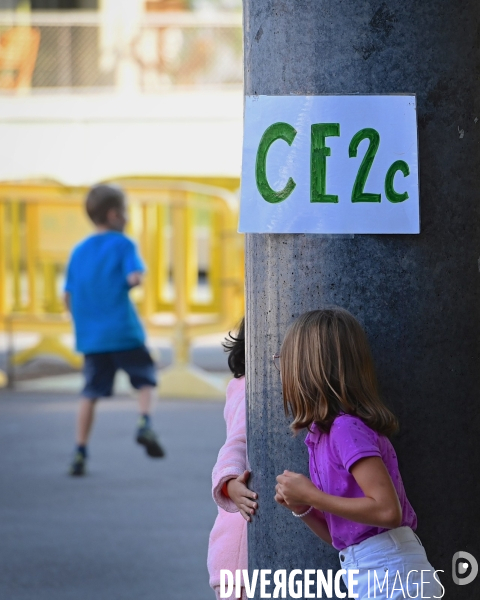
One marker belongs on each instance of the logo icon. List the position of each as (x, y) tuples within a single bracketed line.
[(464, 568)]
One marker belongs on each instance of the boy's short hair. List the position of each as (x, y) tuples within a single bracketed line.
[(100, 199)]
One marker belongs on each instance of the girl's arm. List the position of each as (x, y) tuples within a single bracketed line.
[(315, 519), (231, 466), (380, 507)]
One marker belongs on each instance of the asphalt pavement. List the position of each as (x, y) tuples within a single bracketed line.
[(134, 528)]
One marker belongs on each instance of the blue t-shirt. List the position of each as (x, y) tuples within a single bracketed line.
[(104, 316)]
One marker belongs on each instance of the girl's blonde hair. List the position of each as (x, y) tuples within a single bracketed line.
[(327, 369)]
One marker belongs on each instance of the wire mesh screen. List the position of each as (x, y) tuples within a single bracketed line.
[(68, 56), (188, 56), (52, 51)]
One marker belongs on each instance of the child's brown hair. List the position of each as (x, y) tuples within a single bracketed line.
[(101, 198), (327, 369)]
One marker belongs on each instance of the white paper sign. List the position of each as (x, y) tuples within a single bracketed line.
[(330, 164)]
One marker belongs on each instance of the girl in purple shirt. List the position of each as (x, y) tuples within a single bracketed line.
[(355, 498)]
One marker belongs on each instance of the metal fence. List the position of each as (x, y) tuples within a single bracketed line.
[(85, 50), (187, 236)]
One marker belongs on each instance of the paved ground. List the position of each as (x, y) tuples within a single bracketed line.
[(133, 529)]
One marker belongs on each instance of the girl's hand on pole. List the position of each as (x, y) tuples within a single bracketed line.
[(295, 490), (242, 496)]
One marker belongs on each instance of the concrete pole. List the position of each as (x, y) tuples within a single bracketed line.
[(417, 296)]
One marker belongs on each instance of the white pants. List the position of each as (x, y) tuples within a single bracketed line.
[(392, 565)]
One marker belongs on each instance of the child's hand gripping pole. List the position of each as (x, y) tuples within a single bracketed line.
[(244, 498)]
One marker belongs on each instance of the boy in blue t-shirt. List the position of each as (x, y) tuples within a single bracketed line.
[(101, 271)]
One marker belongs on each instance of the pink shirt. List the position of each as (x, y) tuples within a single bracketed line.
[(331, 457), (227, 547)]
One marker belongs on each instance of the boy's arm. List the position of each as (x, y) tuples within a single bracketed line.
[(135, 278), (66, 300), (69, 283), (133, 266)]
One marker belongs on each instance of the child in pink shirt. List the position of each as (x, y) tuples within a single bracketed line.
[(227, 548)]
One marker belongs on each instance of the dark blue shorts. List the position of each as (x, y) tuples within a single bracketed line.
[(100, 368)]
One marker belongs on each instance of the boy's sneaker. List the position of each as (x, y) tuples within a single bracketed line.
[(146, 437), (78, 466)]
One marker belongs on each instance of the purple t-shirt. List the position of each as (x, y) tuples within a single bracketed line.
[(331, 457)]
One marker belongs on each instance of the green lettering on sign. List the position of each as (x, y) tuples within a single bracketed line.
[(358, 195), (277, 131), (318, 161), (392, 195)]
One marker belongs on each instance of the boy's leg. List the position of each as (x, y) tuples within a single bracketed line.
[(145, 434), (99, 371), (86, 412), (146, 396), (85, 415), (140, 367)]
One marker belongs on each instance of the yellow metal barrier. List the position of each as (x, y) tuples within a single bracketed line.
[(3, 377), (186, 231)]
